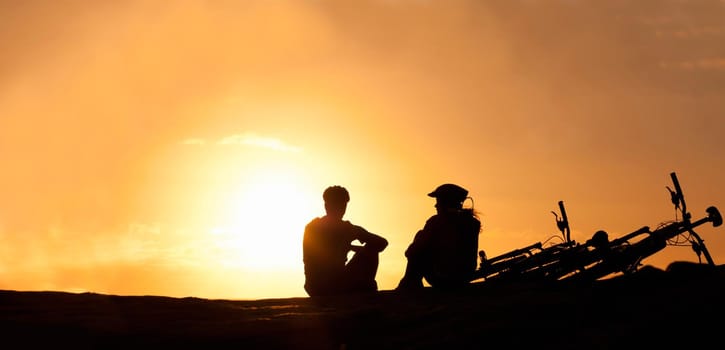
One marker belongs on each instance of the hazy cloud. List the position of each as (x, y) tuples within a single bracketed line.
[(253, 140), (248, 139)]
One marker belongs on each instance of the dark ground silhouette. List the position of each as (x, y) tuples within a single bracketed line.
[(649, 308)]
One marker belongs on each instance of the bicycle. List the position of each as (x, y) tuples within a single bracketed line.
[(599, 257), (625, 255)]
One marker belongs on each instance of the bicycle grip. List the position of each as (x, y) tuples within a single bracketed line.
[(675, 182), (714, 216), (563, 225), (679, 198), (563, 211)]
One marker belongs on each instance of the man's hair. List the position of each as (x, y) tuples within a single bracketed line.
[(336, 194)]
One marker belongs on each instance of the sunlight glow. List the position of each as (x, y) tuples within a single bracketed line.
[(267, 215)]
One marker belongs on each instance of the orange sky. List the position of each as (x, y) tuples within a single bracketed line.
[(178, 148)]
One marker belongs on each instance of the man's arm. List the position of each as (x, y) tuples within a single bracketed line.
[(372, 241)]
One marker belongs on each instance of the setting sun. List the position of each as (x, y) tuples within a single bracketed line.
[(267, 214)]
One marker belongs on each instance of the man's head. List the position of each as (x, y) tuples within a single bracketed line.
[(336, 198), (449, 196)]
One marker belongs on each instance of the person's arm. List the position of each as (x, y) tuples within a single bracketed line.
[(422, 239), (372, 241)]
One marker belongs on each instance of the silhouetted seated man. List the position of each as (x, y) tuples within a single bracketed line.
[(326, 244), (445, 251)]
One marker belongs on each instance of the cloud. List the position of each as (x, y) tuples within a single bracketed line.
[(253, 140), (247, 139)]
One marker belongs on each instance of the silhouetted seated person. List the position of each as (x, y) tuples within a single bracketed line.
[(326, 244), (445, 251)]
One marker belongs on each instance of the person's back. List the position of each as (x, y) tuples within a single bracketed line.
[(325, 247), (455, 257), (445, 251), (326, 244)]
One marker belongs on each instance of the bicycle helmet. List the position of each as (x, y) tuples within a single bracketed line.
[(449, 192)]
